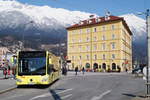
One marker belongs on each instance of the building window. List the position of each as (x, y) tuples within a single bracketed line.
[(88, 30), (95, 39), (87, 57), (95, 57), (113, 36), (73, 32), (113, 56), (112, 27), (72, 57), (80, 31), (80, 40), (103, 46), (87, 39), (95, 30), (80, 57), (113, 45), (95, 47), (104, 57), (103, 28), (87, 47), (79, 47), (72, 48), (72, 40), (103, 37)]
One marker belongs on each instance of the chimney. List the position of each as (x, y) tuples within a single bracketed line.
[(107, 15)]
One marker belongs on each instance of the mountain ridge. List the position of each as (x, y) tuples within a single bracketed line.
[(50, 23)]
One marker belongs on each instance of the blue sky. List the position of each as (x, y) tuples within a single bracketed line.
[(116, 7)]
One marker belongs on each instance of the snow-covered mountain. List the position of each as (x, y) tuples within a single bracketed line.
[(16, 18), (50, 23), (41, 15), (14, 14), (137, 25)]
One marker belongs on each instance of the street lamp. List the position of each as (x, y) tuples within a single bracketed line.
[(30, 22), (148, 48)]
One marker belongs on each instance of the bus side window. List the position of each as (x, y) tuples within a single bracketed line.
[(50, 68)]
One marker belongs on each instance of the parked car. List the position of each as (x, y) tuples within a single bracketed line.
[(136, 70)]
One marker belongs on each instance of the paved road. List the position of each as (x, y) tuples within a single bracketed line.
[(91, 86)]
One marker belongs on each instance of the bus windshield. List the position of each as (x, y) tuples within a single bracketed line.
[(32, 66)]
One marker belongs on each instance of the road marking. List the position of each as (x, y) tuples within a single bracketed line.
[(64, 97), (48, 94), (41, 96), (7, 90), (64, 91), (10, 97), (101, 96)]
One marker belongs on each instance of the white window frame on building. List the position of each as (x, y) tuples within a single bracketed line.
[(103, 46), (87, 39), (80, 40), (103, 28), (73, 32), (103, 56), (103, 37), (113, 56), (95, 39), (113, 45), (73, 40), (113, 36), (113, 27), (95, 57), (72, 57), (88, 30), (80, 57), (94, 29), (80, 48), (87, 57), (88, 48), (95, 47), (80, 31)]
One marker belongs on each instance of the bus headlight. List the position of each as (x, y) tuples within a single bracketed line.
[(44, 79), (18, 80)]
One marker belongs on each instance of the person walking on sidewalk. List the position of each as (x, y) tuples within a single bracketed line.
[(83, 70), (76, 70), (5, 72)]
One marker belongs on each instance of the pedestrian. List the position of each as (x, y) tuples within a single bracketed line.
[(14, 73), (5, 72), (119, 69), (76, 70), (64, 71), (126, 70), (83, 70)]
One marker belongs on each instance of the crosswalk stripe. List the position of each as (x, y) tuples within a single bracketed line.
[(64, 91), (64, 97)]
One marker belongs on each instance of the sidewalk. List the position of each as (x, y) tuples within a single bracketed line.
[(6, 84)]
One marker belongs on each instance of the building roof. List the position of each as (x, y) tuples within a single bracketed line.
[(98, 20)]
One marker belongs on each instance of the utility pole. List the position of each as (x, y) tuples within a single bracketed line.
[(23, 35), (148, 47), (148, 50)]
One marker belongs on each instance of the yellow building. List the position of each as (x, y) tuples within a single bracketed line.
[(100, 43)]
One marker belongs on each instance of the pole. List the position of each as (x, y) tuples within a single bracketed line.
[(23, 36), (148, 48)]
